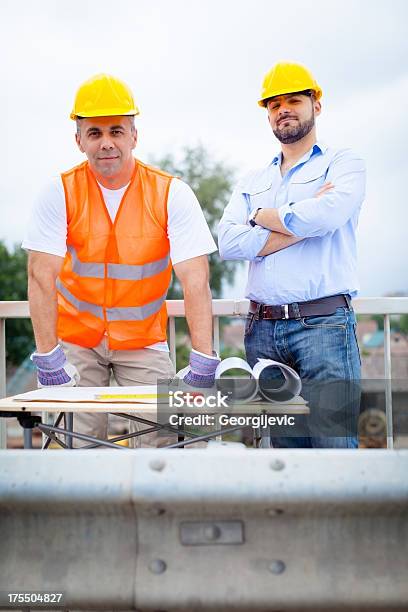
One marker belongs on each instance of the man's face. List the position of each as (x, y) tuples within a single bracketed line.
[(292, 116), (107, 142)]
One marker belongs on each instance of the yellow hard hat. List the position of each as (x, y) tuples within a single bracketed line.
[(288, 77), (103, 95)]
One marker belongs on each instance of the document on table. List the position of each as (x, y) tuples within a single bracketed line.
[(141, 394)]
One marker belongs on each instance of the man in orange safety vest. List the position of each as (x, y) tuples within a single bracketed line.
[(103, 240)]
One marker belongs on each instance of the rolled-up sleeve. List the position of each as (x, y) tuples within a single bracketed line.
[(318, 216), (237, 239)]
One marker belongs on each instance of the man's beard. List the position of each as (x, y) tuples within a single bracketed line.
[(288, 135)]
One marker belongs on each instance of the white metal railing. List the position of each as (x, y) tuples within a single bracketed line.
[(386, 306)]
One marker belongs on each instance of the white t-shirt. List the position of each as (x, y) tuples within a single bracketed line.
[(187, 229)]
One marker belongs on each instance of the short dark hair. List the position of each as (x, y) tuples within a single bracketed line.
[(305, 92), (78, 124)]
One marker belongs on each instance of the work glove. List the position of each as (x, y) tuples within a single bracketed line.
[(200, 373), (53, 369)]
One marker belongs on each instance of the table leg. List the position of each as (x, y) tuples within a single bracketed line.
[(180, 435), (265, 436), (28, 437), (3, 433), (69, 426)]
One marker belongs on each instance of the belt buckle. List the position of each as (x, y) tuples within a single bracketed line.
[(285, 309)]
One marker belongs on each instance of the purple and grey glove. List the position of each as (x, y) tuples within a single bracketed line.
[(201, 371), (54, 369)]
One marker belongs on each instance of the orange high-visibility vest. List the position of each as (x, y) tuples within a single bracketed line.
[(115, 276)]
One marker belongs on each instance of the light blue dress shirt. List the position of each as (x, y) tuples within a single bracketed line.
[(322, 264)]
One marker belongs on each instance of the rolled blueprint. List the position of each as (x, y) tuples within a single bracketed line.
[(264, 371), (240, 387), (272, 380)]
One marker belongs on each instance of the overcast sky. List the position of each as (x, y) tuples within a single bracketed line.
[(196, 67)]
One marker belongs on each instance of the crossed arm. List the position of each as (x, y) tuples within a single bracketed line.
[(326, 211), (276, 242), (280, 238), (239, 241)]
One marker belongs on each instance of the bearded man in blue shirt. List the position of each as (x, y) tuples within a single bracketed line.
[(295, 222)]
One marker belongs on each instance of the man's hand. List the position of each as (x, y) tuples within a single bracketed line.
[(326, 187), (269, 219), (53, 369), (201, 371)]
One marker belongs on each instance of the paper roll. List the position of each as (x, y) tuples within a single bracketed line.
[(290, 387), (240, 388), (243, 389)]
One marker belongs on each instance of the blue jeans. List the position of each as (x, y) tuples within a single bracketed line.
[(324, 352)]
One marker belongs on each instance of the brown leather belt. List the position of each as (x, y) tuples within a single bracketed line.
[(323, 306)]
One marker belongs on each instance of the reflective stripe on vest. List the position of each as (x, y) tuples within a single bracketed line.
[(80, 305), (135, 313), (117, 271), (125, 313), (90, 270)]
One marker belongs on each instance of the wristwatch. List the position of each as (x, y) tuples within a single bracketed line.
[(252, 217)]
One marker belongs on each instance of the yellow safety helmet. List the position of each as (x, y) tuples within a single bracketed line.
[(288, 77), (103, 95)]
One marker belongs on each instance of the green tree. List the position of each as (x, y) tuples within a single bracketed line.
[(13, 286), (212, 183), (402, 325), (379, 319)]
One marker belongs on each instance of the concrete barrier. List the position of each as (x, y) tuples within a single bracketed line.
[(164, 530)]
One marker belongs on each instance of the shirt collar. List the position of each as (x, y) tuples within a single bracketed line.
[(317, 147)]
